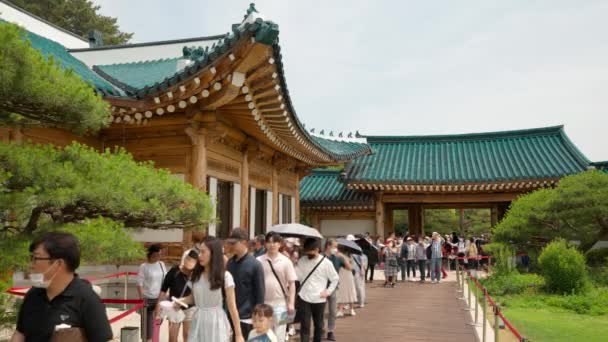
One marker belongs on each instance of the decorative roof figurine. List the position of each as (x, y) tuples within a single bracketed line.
[(331, 133), (322, 132), (357, 135), (340, 135)]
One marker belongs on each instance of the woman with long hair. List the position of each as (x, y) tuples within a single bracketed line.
[(211, 286)]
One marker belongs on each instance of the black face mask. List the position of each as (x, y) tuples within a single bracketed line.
[(311, 256)]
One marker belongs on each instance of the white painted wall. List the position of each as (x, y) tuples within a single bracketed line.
[(268, 210), (41, 28), (236, 204), (332, 228), (158, 235), (213, 196), (129, 54), (252, 213)]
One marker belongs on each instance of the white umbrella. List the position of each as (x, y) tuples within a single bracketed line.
[(295, 230)]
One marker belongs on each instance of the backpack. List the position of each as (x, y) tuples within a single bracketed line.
[(429, 252)]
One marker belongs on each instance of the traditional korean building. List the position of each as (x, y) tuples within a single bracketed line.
[(214, 110), (485, 170)]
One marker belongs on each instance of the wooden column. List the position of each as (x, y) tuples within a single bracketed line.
[(275, 194), (379, 215), (501, 211), (493, 216), (389, 220), (422, 220), (296, 199), (414, 213), (244, 224), (198, 167), (461, 220), (316, 221), (198, 157)]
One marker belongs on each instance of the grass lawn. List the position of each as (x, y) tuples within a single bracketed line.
[(543, 325)]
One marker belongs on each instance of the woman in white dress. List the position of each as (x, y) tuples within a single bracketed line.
[(210, 323)]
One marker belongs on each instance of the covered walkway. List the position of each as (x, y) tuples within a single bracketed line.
[(409, 312)]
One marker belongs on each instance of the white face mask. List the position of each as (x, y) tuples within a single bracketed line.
[(333, 251), (37, 279)]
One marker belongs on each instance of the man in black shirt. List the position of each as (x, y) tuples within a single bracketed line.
[(58, 296), (177, 284), (248, 276)]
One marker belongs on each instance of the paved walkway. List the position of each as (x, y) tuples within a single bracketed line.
[(409, 312)]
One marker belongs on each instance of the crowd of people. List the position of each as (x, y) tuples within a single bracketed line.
[(229, 287), (426, 255), (237, 290)]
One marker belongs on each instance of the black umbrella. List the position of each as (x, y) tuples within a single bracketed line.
[(351, 245), (366, 245)]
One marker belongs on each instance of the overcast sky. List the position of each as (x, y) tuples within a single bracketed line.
[(421, 67)]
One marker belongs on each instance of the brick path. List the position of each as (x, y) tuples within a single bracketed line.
[(408, 312)]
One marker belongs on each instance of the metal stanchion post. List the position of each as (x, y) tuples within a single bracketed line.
[(476, 304), (458, 275), (462, 276), (496, 325), (484, 312), (144, 322), (124, 307), (468, 308)]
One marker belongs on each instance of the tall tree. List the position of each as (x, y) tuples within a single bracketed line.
[(36, 91), (77, 16), (577, 209)]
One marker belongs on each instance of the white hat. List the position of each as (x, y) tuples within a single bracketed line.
[(350, 237)]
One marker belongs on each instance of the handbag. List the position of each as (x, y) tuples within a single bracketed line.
[(69, 334), (281, 314)]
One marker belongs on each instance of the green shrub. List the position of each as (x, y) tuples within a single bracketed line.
[(513, 283), (599, 276), (593, 302), (502, 257), (597, 257), (563, 268)]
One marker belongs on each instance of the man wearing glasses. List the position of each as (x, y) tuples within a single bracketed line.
[(58, 297)]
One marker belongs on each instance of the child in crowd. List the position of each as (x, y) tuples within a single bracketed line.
[(262, 324)]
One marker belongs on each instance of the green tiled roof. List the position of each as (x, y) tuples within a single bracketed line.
[(134, 76), (50, 48), (324, 188), (345, 149), (265, 32), (486, 157)]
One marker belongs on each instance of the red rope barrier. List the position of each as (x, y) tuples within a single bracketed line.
[(508, 325), (140, 303), (126, 313), (491, 301)]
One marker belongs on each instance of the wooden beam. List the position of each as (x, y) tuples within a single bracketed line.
[(221, 97), (450, 198)]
